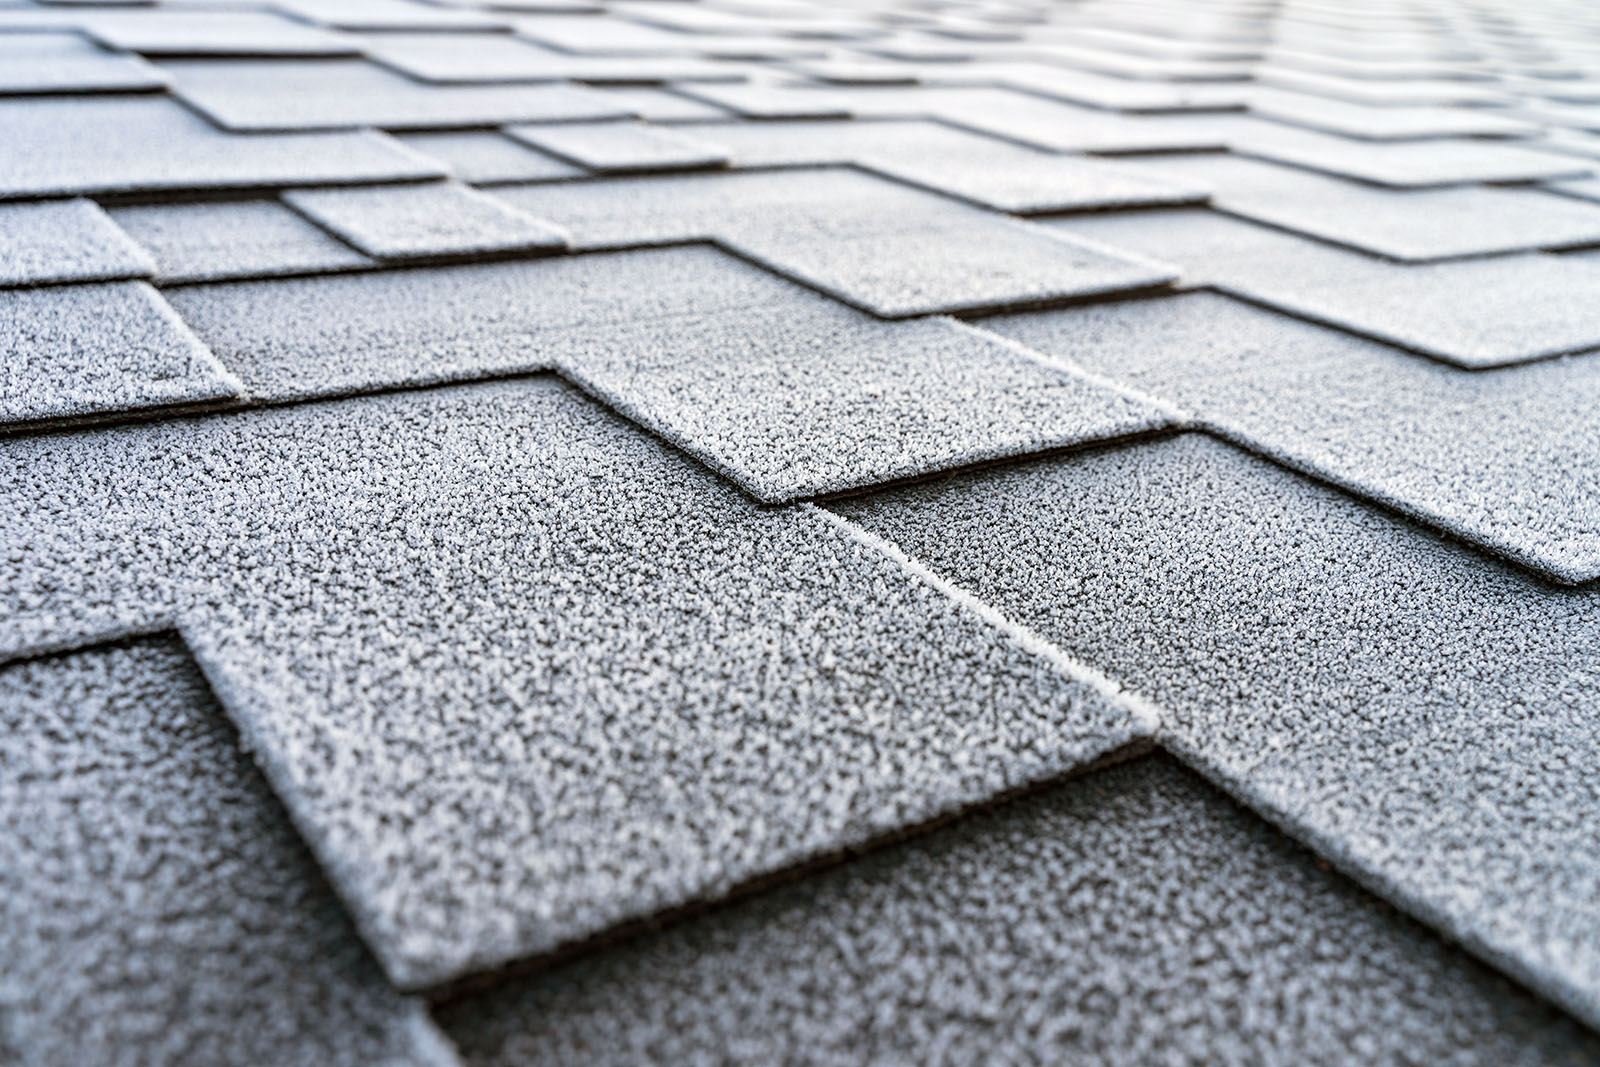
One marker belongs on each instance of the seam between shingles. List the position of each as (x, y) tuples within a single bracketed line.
[(1146, 712)]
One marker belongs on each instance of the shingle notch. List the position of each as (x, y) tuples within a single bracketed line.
[(1406, 707), (622, 147), (1139, 878), (46, 63), (432, 614), (1410, 165), (80, 350), (872, 243), (215, 240), (1502, 459), (65, 241), (425, 221), (144, 144), (1486, 312), (157, 906), (786, 392)]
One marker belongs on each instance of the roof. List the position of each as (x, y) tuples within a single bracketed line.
[(888, 531)]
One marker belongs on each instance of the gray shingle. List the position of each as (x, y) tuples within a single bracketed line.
[(768, 101), (1405, 706), (1388, 92), (389, 15), (135, 144), (521, 673), (488, 156), (215, 240), (1503, 459), (1474, 313), (466, 59), (425, 221), (1135, 916), (155, 904), (1420, 164), (1384, 123), (214, 33), (77, 350), (585, 35), (658, 105), (39, 63), (786, 392), (877, 245), (274, 95), (1580, 188), (959, 163), (622, 147), (1420, 224), (65, 241)]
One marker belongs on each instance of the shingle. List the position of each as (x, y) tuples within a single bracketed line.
[(970, 166), (1107, 921), (389, 15), (1501, 459), (622, 147), (424, 221), (77, 350), (40, 63), (521, 673), (1475, 313), (786, 392), (215, 240), (157, 906), (762, 100), (478, 156), (270, 95), (214, 33), (658, 105), (65, 241), (586, 35), (136, 144), (1389, 92), (1116, 94), (880, 246), (466, 59), (1418, 224), (1580, 188), (1372, 123), (1425, 163), (1410, 709)]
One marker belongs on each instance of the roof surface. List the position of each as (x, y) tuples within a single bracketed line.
[(818, 531)]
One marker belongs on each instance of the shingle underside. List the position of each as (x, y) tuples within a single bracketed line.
[(592, 531)]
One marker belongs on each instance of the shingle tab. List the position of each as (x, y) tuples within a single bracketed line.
[(136, 144), (468, 59), (877, 245), (255, 96), (77, 350), (1483, 312), (622, 147), (215, 240), (1367, 122), (959, 163), (1502, 459), (863, 401), (488, 156), (521, 673), (1422, 164), (1403, 705), (425, 221), (155, 903), (214, 33), (1103, 922), (40, 63), (389, 16), (65, 241), (1422, 224)]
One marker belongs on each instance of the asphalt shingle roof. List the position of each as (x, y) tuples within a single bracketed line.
[(560, 531)]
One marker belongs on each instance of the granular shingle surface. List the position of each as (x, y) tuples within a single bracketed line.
[(65, 241), (1481, 312), (156, 906), (77, 350), (215, 240), (107, 144), (886, 248), (862, 401), (610, 457), (686, 691), (254, 96), (1502, 458), (424, 221), (1409, 707), (1076, 926)]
